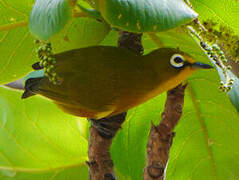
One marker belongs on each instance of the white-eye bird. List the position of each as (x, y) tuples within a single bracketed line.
[(103, 81)]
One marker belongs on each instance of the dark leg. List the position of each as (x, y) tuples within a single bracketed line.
[(107, 127)]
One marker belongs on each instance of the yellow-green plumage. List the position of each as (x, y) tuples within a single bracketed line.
[(102, 81)]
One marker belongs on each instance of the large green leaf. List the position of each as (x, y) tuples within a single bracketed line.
[(16, 43), (37, 137), (73, 173), (145, 16), (17, 47), (224, 11), (49, 17), (80, 32)]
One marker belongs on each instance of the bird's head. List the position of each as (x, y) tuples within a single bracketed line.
[(174, 66)]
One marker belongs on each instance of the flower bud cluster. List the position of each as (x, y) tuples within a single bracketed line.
[(213, 32), (226, 87), (47, 62), (215, 53)]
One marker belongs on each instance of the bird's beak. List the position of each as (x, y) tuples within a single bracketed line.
[(198, 65)]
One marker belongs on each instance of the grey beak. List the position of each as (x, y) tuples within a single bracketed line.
[(199, 65)]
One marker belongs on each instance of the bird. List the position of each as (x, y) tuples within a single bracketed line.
[(103, 81)]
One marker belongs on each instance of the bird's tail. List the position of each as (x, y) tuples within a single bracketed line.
[(31, 85)]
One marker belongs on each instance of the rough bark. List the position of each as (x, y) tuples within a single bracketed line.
[(161, 136), (100, 164), (131, 41), (102, 131)]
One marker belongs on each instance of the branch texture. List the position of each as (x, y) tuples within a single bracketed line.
[(103, 130), (161, 136), (100, 164)]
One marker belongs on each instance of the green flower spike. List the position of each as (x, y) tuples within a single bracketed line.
[(47, 61), (215, 53)]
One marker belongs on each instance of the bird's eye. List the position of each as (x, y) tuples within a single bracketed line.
[(177, 61)]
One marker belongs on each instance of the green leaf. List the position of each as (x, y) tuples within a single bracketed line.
[(37, 137), (79, 32), (145, 16), (92, 13), (225, 12), (17, 46), (176, 38), (49, 17), (111, 39), (16, 43), (74, 173), (234, 92)]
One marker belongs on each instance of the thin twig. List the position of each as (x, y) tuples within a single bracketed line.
[(161, 136)]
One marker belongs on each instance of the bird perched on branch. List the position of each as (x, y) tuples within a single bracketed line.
[(103, 81)]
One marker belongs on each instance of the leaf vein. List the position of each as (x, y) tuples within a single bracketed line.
[(14, 53), (202, 122), (4, 3)]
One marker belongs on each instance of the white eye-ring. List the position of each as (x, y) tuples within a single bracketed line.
[(177, 61)]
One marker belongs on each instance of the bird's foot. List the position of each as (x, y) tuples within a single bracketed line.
[(107, 127)]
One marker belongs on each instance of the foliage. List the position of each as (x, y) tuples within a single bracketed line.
[(58, 14), (145, 16), (38, 141)]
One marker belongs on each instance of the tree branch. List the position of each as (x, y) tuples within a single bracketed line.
[(161, 136), (131, 41), (100, 164), (103, 130)]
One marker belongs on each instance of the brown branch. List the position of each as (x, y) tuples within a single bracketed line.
[(131, 41), (161, 136), (100, 164), (103, 130)]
